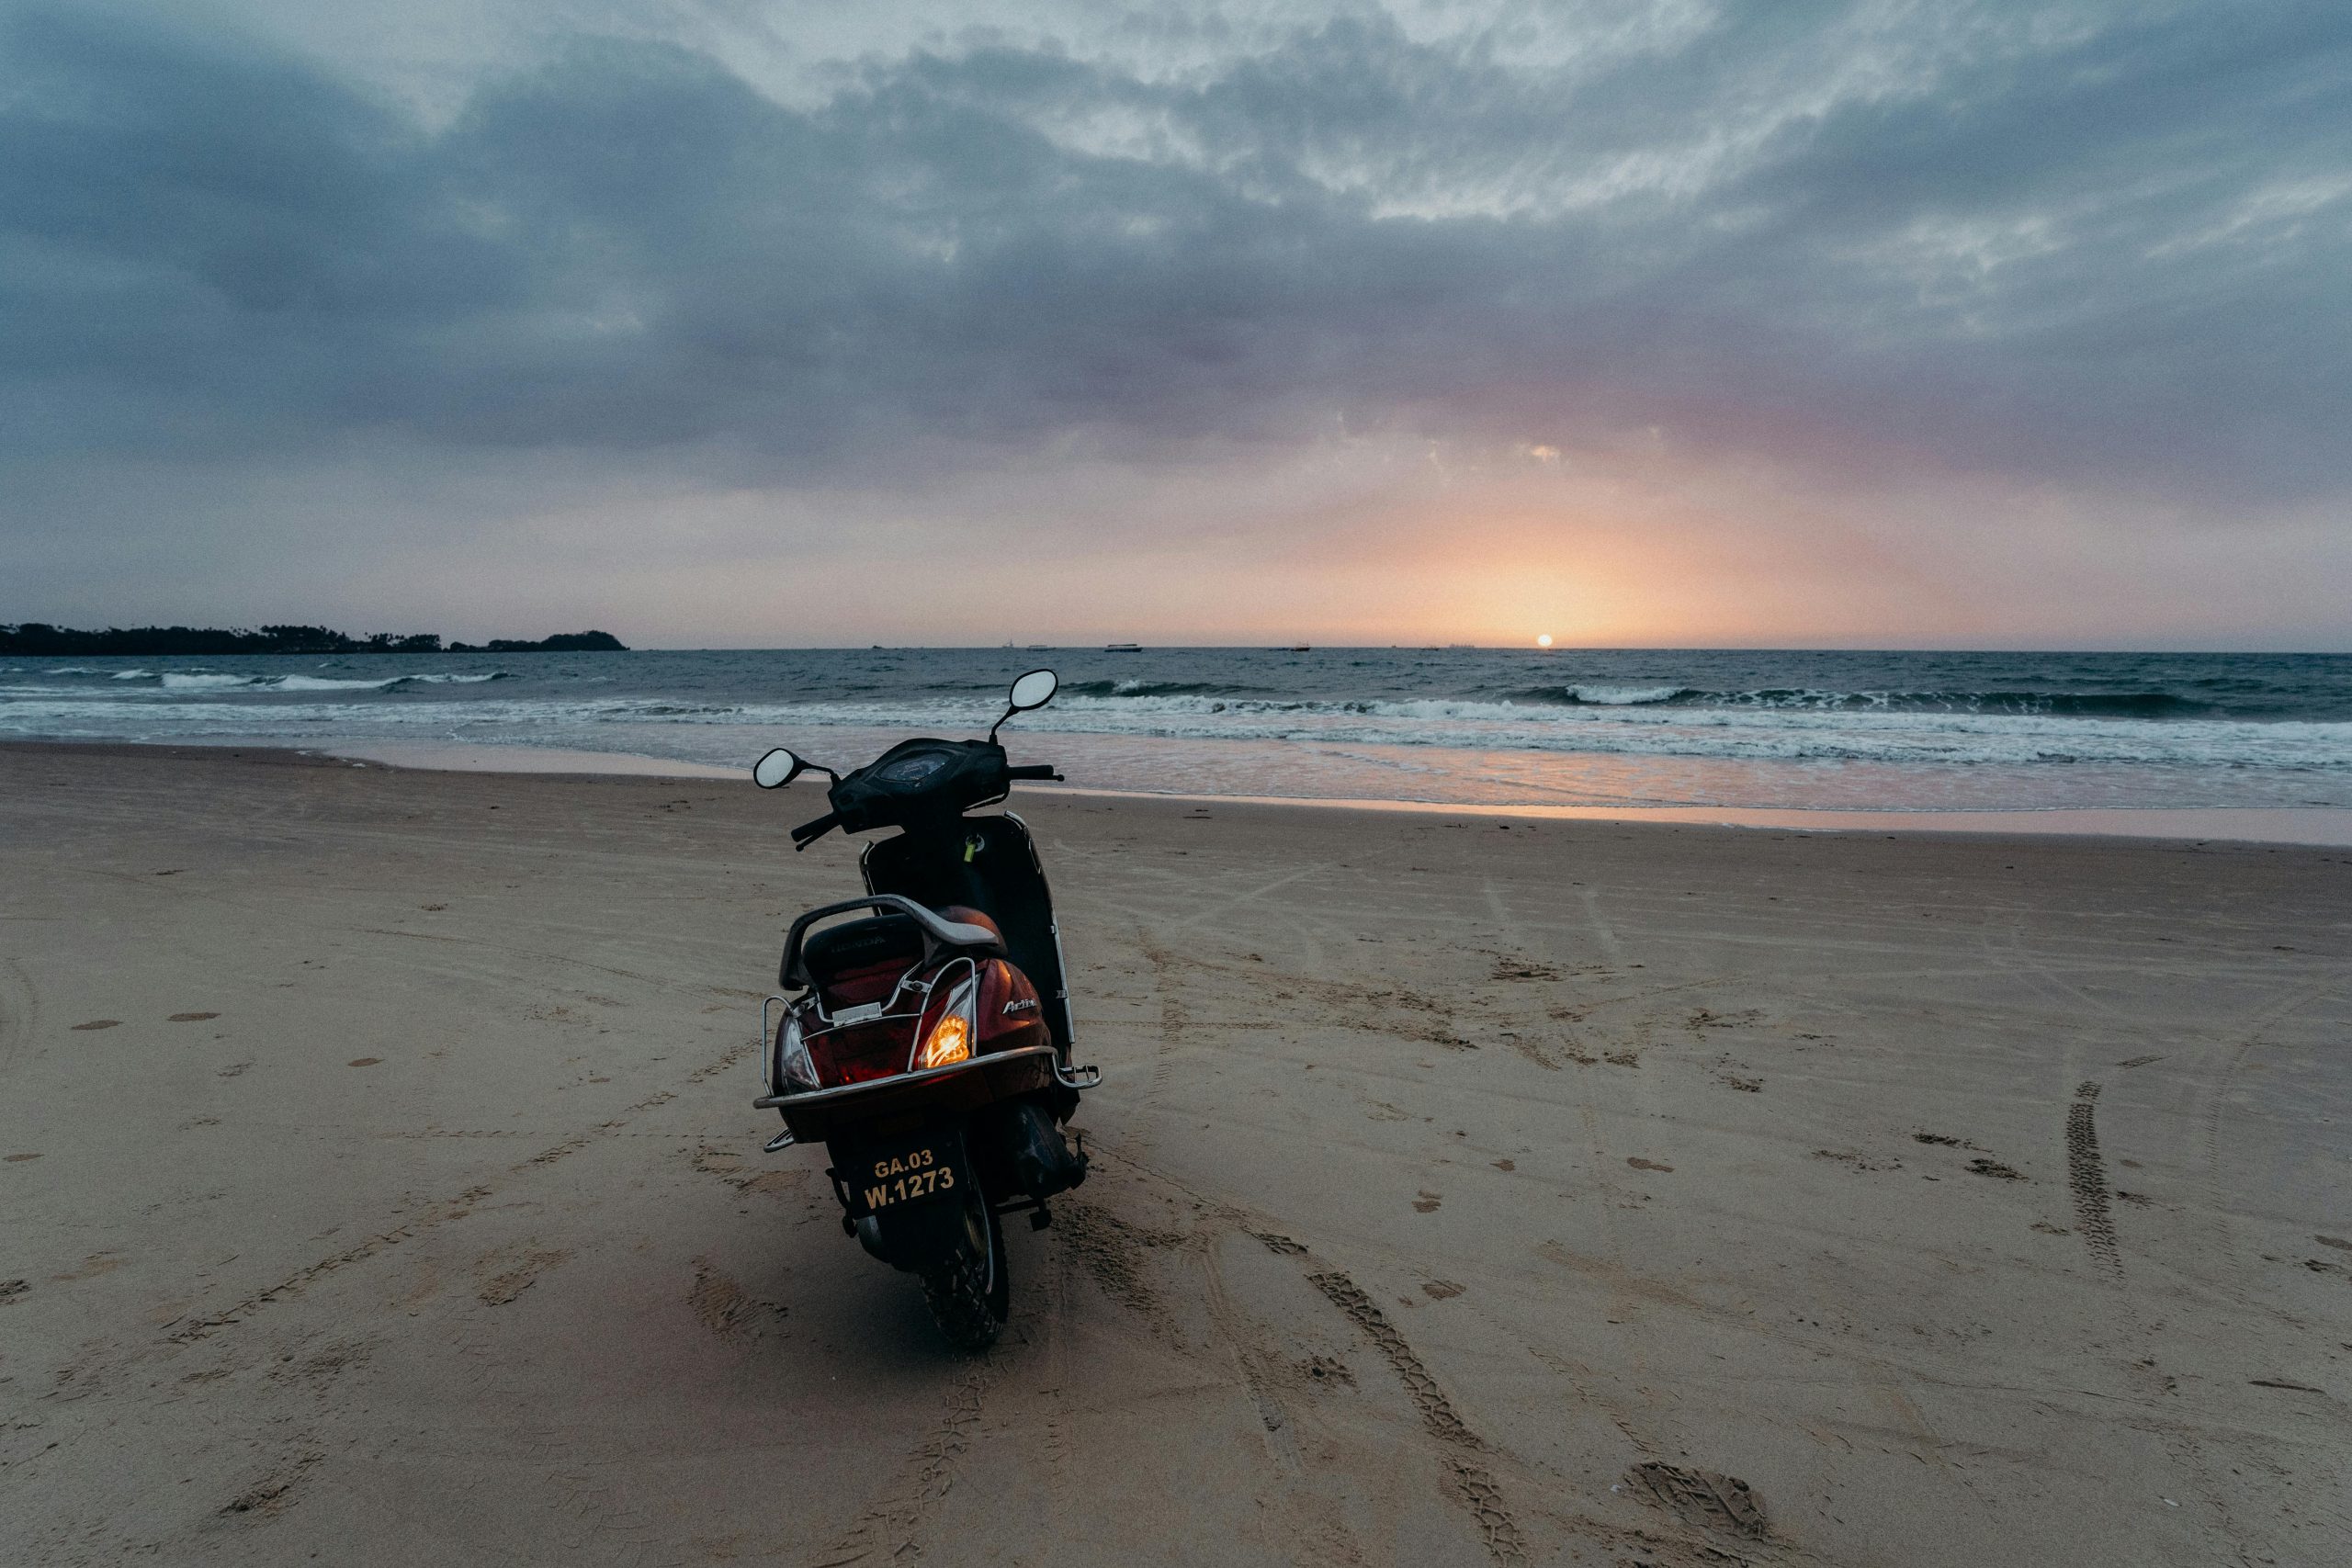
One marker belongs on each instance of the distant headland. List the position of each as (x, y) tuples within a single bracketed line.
[(37, 641)]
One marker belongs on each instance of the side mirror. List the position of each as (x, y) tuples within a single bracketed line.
[(1034, 690), (777, 769)]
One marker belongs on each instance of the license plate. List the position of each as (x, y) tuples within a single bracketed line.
[(892, 1178)]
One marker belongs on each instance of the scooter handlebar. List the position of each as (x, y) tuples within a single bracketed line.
[(809, 833)]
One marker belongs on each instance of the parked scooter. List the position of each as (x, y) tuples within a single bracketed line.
[(928, 1048)]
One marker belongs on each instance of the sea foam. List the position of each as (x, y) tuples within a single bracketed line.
[(320, 683), (1625, 696), (206, 682)]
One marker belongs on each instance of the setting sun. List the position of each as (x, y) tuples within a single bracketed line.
[(1545, 640)]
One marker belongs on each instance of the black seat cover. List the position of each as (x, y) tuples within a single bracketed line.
[(861, 945)]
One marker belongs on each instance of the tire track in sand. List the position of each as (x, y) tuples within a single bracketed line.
[(2218, 1090), (1468, 1483), (1112, 1253), (1472, 1485), (19, 1011), (2086, 1175), (190, 1330), (1173, 1016), (889, 1528)]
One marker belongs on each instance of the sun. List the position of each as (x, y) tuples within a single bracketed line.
[(1544, 641)]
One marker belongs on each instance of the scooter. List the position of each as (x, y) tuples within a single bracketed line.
[(927, 1041)]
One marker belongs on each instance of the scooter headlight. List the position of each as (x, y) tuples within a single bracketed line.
[(795, 1070), (953, 1033)]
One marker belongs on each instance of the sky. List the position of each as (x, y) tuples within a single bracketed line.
[(743, 324)]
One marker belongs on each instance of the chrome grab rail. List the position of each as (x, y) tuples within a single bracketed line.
[(1080, 1078), (844, 1091), (938, 930), (769, 1039)]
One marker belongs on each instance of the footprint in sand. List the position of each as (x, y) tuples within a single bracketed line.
[(726, 1308), (192, 1017), (362, 1061), (101, 1023), (514, 1281), (1427, 1202), (1638, 1163), (1700, 1497), (19, 1159)]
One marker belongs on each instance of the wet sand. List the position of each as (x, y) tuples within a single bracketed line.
[(381, 1187)]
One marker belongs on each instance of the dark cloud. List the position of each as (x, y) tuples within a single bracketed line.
[(2105, 245)]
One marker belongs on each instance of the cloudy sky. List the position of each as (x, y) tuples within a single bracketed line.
[(737, 324)]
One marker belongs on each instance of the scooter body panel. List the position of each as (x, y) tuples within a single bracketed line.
[(990, 865)]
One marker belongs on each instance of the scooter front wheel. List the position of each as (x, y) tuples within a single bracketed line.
[(971, 1295)]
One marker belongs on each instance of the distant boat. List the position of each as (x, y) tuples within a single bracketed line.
[(1122, 647), (1301, 647)]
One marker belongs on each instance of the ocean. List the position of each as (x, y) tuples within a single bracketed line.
[(1788, 731)]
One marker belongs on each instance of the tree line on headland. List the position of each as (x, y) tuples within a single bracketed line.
[(38, 640)]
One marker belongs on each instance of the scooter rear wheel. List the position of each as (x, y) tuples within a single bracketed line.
[(970, 1297)]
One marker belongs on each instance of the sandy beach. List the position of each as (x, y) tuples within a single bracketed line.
[(381, 1187)]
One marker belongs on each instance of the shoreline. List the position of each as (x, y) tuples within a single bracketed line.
[(2311, 826)]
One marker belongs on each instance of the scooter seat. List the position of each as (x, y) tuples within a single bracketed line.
[(846, 956), (876, 941)]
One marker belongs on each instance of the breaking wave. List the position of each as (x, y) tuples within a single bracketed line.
[(1156, 689), (1628, 696), (199, 682), (1798, 699), (1794, 699)]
